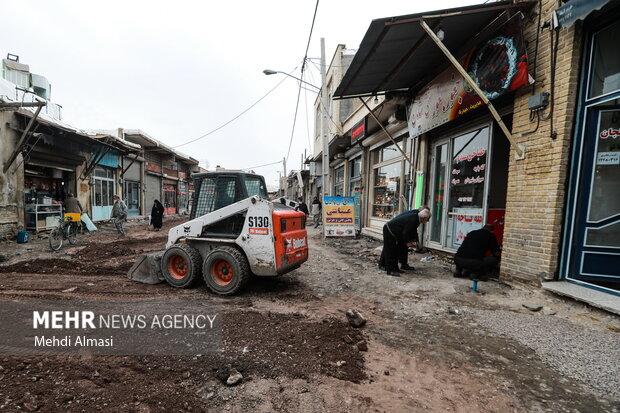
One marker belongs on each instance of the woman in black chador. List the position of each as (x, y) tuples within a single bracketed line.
[(157, 215)]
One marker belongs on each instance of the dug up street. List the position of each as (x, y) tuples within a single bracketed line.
[(428, 342)]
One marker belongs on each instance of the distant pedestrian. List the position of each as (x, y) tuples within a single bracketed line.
[(316, 211), (72, 205), (119, 214), (471, 255), (301, 205), (157, 215)]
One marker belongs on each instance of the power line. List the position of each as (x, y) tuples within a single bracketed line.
[(303, 66), (260, 166), (233, 119)]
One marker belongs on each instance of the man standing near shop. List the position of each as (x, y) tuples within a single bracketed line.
[(471, 255), (316, 211), (401, 233), (72, 205)]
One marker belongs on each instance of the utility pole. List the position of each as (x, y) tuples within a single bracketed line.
[(285, 184), (324, 97)]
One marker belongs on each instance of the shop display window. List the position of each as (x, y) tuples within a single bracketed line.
[(386, 191)]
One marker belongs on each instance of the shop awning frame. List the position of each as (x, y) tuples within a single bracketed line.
[(396, 56)]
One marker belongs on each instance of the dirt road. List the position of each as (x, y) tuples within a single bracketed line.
[(430, 344)]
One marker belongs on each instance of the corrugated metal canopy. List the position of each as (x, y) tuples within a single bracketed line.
[(396, 53)]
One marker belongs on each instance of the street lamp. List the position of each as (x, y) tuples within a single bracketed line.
[(273, 72), (324, 128)]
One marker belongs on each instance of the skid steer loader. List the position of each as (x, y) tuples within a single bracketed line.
[(234, 231)]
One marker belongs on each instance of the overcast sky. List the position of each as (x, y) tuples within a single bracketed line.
[(178, 70)]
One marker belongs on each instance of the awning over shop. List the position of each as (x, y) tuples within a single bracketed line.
[(396, 53), (574, 10)]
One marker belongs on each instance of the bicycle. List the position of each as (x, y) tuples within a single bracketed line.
[(67, 229)]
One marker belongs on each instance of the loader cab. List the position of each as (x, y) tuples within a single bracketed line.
[(215, 190)]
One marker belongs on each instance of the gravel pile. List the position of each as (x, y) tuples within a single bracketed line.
[(589, 356)]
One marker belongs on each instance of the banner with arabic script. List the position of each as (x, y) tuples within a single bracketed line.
[(498, 66), (339, 216)]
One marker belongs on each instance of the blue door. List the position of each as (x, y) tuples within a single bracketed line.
[(596, 233)]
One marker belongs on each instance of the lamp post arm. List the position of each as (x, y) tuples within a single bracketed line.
[(273, 72)]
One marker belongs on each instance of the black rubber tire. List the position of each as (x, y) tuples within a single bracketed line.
[(72, 233), (187, 262), (55, 239), (235, 260)]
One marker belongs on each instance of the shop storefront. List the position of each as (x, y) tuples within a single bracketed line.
[(170, 199), (45, 188), (183, 198), (591, 250), (468, 179), (131, 191), (388, 172), (355, 187), (102, 191)]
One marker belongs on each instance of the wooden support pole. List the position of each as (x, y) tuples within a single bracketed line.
[(22, 140), (519, 148), (386, 131)]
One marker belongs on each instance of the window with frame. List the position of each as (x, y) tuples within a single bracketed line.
[(339, 181), (387, 172), (103, 186), (355, 175), (605, 75)]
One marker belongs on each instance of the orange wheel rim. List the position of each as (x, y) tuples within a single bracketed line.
[(222, 272), (177, 267)]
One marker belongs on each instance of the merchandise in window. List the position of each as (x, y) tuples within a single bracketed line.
[(386, 191)]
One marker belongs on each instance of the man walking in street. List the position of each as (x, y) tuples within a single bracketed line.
[(316, 211), (471, 255), (119, 213), (400, 233)]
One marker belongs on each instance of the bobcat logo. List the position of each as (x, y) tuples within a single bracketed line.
[(187, 229)]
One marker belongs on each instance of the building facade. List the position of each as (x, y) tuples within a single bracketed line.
[(545, 176)]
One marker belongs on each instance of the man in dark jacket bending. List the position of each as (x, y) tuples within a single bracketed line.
[(400, 233), (471, 255)]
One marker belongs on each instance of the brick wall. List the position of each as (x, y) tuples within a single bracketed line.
[(536, 184)]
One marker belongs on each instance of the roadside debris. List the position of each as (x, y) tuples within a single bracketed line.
[(70, 290), (356, 319), (234, 378), (532, 307), (362, 346)]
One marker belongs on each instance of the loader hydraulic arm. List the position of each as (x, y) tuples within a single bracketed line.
[(195, 227)]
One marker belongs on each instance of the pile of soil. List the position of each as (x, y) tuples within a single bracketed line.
[(285, 346)]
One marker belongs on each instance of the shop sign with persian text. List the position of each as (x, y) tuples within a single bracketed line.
[(339, 216)]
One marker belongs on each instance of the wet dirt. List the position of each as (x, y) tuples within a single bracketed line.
[(289, 338)]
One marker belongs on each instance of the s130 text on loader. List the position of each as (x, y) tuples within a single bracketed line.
[(234, 231)]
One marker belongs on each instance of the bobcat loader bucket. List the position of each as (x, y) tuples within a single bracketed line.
[(147, 269)]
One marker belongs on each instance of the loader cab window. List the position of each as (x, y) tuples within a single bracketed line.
[(226, 192), (206, 197), (254, 186)]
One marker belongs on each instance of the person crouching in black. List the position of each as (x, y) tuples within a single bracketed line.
[(471, 255), (400, 233)]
